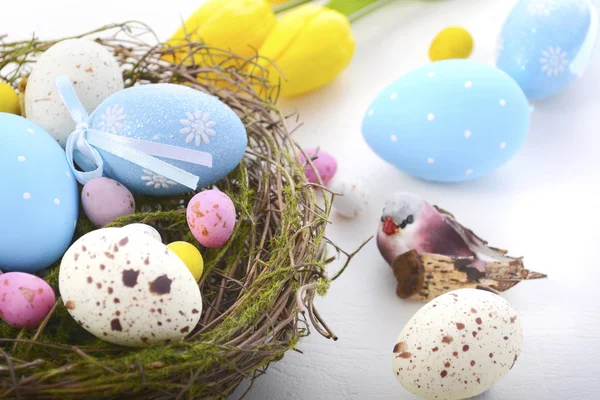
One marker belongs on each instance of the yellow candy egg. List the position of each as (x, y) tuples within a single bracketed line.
[(452, 42), (190, 256), (9, 99)]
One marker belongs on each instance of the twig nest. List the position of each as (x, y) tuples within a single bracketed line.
[(452, 42), (127, 289), (458, 345), (25, 300), (105, 200)]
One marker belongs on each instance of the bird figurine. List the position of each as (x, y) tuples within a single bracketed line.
[(431, 253)]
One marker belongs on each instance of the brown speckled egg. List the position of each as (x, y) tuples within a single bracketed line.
[(127, 288), (458, 345)]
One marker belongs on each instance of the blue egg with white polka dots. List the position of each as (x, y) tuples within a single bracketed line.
[(448, 121), (546, 44), (39, 201), (174, 115)]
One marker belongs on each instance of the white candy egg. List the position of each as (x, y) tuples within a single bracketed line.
[(124, 287), (94, 72), (458, 345), (353, 194)]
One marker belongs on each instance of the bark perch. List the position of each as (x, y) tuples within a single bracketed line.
[(424, 277)]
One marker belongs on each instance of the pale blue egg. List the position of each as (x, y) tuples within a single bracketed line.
[(546, 44), (175, 115), (448, 121), (39, 201)]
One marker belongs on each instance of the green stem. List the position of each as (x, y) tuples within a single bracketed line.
[(289, 5), (356, 9)]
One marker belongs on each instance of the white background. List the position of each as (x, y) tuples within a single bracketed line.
[(543, 204)]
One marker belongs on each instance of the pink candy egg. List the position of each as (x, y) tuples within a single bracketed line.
[(324, 163), (25, 300), (105, 200), (211, 218)]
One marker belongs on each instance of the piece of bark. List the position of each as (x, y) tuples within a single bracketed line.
[(424, 277)]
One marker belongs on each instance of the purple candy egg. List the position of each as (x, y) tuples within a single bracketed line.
[(324, 163), (25, 299), (105, 200)]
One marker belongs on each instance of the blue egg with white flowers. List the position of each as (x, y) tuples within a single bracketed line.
[(448, 121), (174, 115), (545, 45), (39, 203)]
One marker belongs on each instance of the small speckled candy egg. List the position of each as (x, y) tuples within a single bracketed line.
[(353, 194), (452, 42), (458, 345), (211, 218), (95, 75), (324, 163), (126, 288), (145, 229), (25, 300), (190, 256), (105, 200)]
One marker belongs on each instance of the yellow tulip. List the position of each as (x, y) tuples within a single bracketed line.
[(9, 99), (275, 2), (240, 26), (311, 45)]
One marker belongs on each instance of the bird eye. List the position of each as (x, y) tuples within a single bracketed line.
[(410, 219)]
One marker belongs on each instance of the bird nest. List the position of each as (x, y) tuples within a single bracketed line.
[(258, 289)]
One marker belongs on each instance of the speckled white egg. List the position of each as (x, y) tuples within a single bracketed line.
[(352, 194), (126, 288), (95, 75), (458, 345), (144, 229)]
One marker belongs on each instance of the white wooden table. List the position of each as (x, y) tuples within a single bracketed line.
[(542, 205)]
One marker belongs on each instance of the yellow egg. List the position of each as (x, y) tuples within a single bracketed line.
[(190, 256), (452, 42), (9, 99)]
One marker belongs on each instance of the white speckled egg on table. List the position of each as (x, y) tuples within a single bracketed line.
[(458, 345), (352, 194), (448, 121), (95, 75), (39, 200), (126, 288)]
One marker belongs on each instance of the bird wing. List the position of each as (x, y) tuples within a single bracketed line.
[(476, 244)]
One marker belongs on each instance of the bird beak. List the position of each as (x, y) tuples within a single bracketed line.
[(389, 227)]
